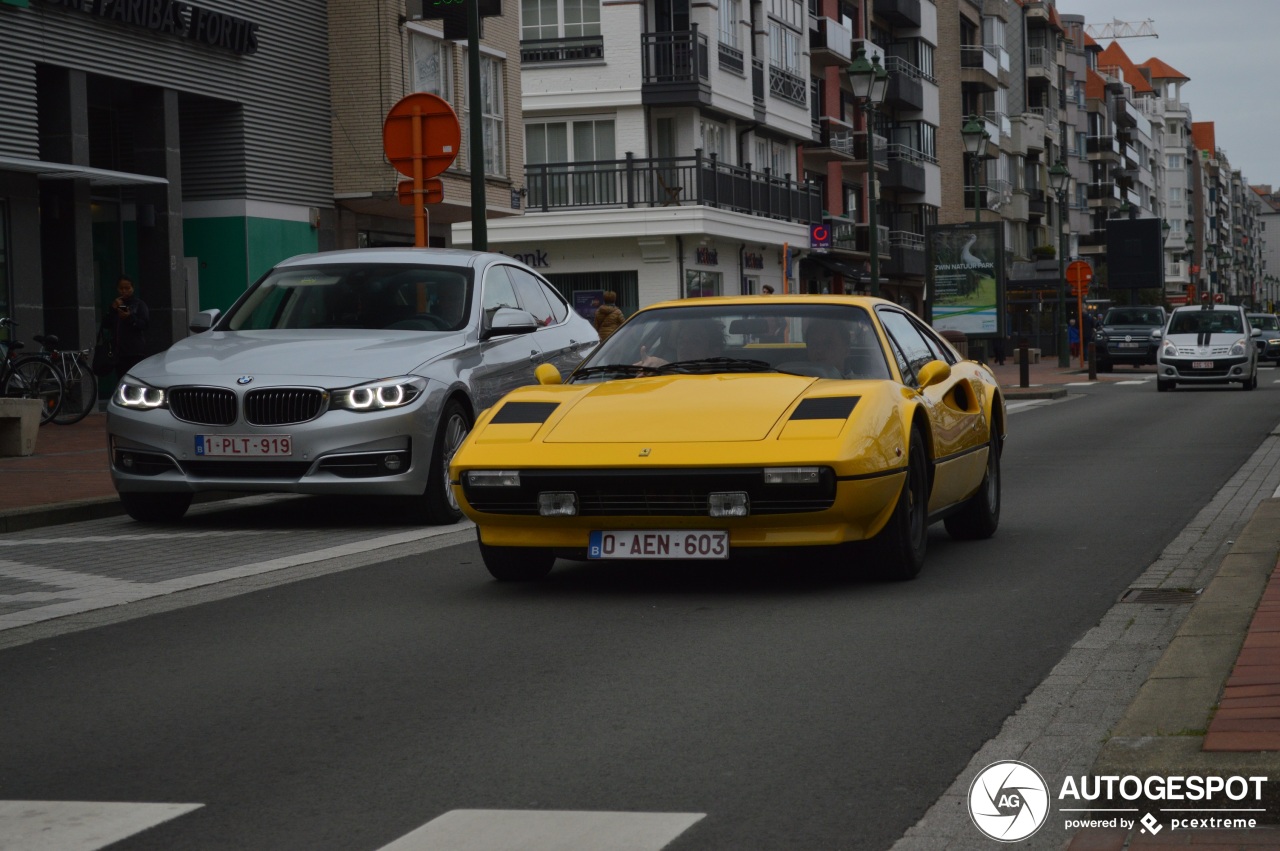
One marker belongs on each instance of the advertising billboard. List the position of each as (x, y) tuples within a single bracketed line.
[(965, 268)]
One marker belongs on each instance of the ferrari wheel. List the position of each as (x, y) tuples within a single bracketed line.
[(980, 516), (517, 564), (156, 507), (899, 549), (439, 504)]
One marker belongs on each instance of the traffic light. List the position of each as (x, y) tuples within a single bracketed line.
[(451, 13)]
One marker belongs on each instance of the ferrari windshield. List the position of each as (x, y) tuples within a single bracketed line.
[(819, 340), (406, 297)]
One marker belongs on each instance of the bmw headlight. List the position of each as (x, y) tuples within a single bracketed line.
[(380, 395), (1238, 348), (135, 395)]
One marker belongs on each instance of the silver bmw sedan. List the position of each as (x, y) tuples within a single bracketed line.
[(345, 372)]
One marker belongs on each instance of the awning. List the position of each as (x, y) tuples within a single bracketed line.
[(846, 268), (65, 171)]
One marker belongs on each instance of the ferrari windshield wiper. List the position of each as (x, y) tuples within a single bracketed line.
[(717, 364), (618, 370)]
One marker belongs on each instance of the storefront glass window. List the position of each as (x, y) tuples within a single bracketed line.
[(4, 258), (698, 284)]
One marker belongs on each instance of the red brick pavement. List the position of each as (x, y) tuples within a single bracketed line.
[(69, 465)]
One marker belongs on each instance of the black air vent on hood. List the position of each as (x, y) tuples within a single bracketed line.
[(524, 412), (825, 408)]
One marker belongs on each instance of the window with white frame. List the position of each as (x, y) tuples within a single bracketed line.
[(432, 70), (729, 22), (493, 117), (559, 18), (571, 144), (790, 12), (785, 48), (713, 139), (1175, 161)]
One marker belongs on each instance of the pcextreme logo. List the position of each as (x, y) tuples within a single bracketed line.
[(1008, 801)]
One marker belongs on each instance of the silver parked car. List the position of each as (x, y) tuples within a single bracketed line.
[(1209, 344), (344, 372)]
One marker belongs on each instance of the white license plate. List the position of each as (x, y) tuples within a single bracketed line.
[(244, 445), (1127, 345), (659, 544), (1202, 364)]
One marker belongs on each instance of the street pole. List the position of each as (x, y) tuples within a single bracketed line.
[(872, 215), (475, 145), (1064, 353)]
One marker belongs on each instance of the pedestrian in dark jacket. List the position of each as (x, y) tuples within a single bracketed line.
[(127, 322), (608, 316)]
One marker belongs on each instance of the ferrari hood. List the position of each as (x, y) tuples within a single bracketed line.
[(679, 409), (341, 354)]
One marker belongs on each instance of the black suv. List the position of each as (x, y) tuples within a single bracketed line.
[(1129, 335)]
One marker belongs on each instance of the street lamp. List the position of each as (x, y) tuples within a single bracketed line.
[(1059, 178), (975, 142), (870, 83)]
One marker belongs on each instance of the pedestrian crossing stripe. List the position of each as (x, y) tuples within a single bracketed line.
[(93, 825), (79, 825), (546, 830)]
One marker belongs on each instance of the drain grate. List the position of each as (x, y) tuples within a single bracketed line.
[(1167, 596)]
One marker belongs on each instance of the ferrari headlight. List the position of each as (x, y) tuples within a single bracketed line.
[(792, 475), (138, 396), (1238, 348), (379, 395)]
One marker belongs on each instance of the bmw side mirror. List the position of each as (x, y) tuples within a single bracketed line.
[(204, 320), (509, 320)]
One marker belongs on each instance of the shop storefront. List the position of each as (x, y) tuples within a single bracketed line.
[(186, 145)]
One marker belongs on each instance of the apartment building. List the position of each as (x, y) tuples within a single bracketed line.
[(1269, 244), (662, 148), (378, 55)]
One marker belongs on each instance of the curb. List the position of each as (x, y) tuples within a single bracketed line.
[(79, 510)]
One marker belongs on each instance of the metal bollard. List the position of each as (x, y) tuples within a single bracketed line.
[(1024, 366), (1093, 362)]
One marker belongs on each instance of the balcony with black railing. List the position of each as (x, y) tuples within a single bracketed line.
[(540, 51), (670, 182), (675, 68)]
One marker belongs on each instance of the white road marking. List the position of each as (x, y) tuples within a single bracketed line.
[(82, 592), (1139, 381), (78, 825), (546, 830), (153, 536)]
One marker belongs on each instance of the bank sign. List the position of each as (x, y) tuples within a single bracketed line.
[(173, 17)]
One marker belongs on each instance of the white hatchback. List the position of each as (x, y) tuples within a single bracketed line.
[(1208, 344)]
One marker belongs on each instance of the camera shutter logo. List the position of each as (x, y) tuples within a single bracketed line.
[(1008, 801)]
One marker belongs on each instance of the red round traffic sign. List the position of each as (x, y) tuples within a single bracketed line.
[(439, 129)]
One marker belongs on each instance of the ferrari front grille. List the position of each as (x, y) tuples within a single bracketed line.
[(652, 493)]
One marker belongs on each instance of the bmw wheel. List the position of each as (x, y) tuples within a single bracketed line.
[(441, 504)]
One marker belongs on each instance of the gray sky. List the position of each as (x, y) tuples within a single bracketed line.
[(1227, 48)]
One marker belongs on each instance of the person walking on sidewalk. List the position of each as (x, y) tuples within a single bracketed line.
[(127, 322), (1073, 338), (608, 316)]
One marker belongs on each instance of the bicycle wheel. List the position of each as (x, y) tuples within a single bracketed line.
[(79, 391), (35, 378)]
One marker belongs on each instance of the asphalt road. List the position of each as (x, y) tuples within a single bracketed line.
[(793, 707)]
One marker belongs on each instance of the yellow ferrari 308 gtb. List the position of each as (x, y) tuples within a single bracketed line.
[(715, 427)]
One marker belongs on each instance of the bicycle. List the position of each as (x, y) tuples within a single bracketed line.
[(79, 384), (29, 377)]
